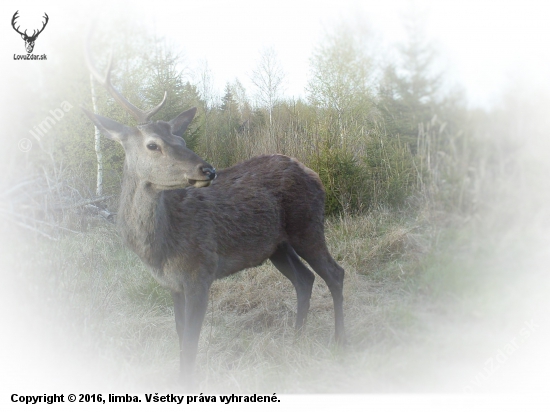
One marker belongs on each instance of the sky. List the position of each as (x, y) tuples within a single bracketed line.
[(483, 44)]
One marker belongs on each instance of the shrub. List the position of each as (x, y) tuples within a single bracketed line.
[(343, 178)]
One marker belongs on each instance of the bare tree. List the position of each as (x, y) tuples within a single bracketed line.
[(205, 86), (205, 83), (268, 77)]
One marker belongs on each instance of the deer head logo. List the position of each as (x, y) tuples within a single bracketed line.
[(29, 40)]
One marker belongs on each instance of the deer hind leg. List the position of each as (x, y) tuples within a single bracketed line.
[(289, 264), (314, 251)]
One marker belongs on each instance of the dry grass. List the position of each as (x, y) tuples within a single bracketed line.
[(101, 299), (98, 310)]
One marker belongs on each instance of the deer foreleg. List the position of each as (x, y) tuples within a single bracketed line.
[(179, 314), (196, 302)]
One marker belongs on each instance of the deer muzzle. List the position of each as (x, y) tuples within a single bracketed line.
[(209, 174)]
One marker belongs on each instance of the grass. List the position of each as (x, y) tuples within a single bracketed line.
[(423, 291)]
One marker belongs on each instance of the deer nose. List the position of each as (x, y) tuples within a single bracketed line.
[(209, 171)]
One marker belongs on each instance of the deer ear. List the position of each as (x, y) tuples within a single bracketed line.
[(110, 128), (179, 124)]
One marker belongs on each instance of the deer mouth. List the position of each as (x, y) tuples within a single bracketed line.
[(199, 183), (190, 183)]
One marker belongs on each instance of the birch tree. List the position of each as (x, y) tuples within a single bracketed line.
[(97, 144), (268, 77)]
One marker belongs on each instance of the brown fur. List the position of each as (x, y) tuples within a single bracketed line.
[(235, 223)]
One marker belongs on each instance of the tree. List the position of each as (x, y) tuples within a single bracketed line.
[(268, 77), (97, 140), (164, 72), (410, 90), (226, 125), (340, 85)]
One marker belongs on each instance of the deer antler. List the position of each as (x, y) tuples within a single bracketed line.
[(143, 117), (15, 16)]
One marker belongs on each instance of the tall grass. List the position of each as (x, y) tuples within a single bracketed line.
[(406, 275)]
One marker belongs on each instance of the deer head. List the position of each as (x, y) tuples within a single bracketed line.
[(155, 151), (29, 40)]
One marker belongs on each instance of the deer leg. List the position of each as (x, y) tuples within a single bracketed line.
[(179, 314), (332, 273), (196, 302), (289, 264)]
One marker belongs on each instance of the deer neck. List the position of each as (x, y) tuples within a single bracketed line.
[(144, 220)]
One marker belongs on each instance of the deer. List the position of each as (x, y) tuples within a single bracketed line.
[(29, 40), (191, 224)]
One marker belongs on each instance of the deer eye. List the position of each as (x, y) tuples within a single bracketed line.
[(153, 146)]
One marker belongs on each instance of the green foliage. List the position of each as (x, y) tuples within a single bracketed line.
[(340, 84), (385, 175), (225, 128), (342, 176), (373, 142), (391, 173)]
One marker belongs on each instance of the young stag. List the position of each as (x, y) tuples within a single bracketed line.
[(191, 224)]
